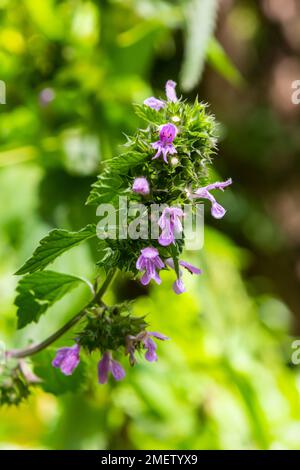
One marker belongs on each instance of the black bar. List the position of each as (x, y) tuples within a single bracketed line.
[(154, 458)]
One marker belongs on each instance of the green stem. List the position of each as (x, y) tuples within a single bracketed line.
[(105, 285), (31, 350)]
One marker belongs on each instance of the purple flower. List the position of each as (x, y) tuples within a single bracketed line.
[(154, 103), (108, 364), (149, 261), (145, 337), (217, 210), (141, 186), (178, 285), (150, 345), (170, 223), (130, 343), (170, 91), (67, 359), (46, 96), (165, 145)]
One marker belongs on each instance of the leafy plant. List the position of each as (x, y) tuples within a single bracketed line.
[(165, 165)]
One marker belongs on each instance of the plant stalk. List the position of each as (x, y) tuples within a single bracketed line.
[(35, 348)]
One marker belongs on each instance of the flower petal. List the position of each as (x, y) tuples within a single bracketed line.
[(151, 347), (154, 103), (140, 263), (117, 370), (149, 252), (145, 279), (151, 355), (156, 278), (166, 237), (217, 211), (178, 287), (141, 186), (192, 269), (158, 263), (167, 133), (158, 335), (67, 359), (149, 343), (219, 185), (170, 262), (104, 368), (69, 364), (59, 357), (170, 91), (202, 193)]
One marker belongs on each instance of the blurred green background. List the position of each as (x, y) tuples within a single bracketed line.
[(72, 68)]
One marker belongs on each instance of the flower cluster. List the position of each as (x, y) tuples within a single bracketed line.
[(109, 330), (150, 262), (150, 173), (68, 358)]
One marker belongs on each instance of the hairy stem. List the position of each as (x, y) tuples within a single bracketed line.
[(35, 348)]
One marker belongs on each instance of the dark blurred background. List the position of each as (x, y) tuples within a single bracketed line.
[(72, 69)]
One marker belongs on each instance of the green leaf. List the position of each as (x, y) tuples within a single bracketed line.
[(217, 58), (149, 115), (53, 245), (53, 380), (106, 188), (201, 18), (123, 163), (38, 291), (110, 183)]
